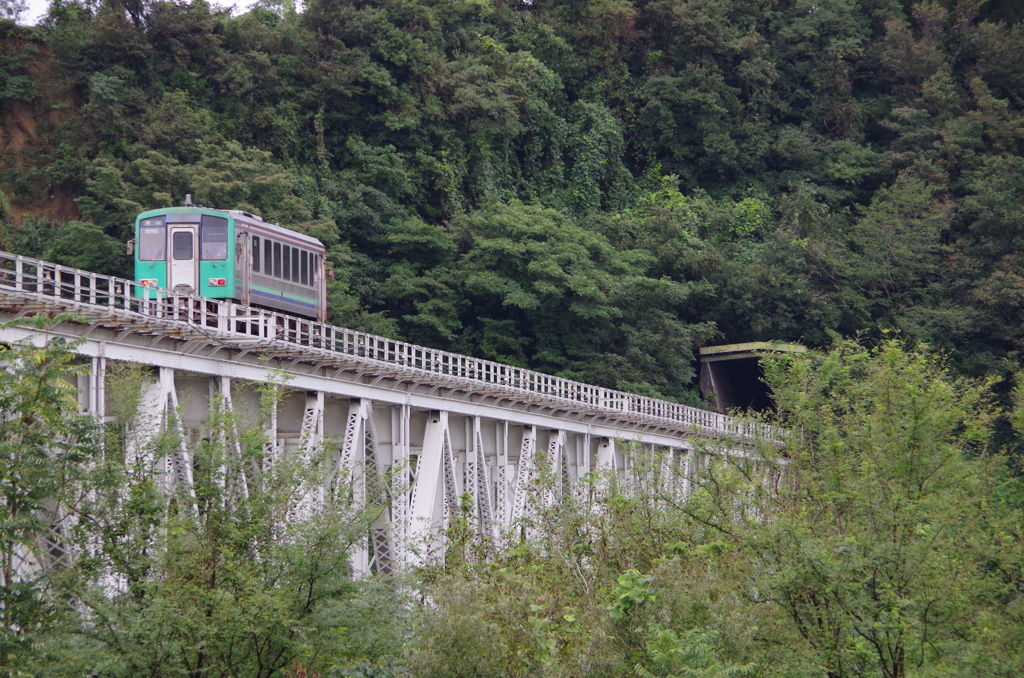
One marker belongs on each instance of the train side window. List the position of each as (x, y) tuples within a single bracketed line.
[(277, 260), (287, 262), (268, 257), (305, 268), (213, 238), (295, 264), (152, 240), (255, 254)]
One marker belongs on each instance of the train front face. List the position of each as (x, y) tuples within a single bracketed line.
[(187, 250)]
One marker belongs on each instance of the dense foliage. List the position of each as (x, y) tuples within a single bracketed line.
[(591, 188), (142, 576), (883, 540), (877, 543), (588, 188)]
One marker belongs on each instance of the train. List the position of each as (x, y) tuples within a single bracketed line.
[(230, 254)]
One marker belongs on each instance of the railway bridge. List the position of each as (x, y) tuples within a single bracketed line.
[(436, 429)]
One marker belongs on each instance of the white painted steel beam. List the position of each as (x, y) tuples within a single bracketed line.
[(402, 430), (431, 499)]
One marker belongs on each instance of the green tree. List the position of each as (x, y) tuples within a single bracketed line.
[(84, 245), (876, 544), (45, 446), (233, 575), (569, 302), (897, 259)]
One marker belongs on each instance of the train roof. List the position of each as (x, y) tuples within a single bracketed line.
[(274, 228), (247, 217)]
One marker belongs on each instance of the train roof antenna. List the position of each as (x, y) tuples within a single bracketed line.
[(188, 200)]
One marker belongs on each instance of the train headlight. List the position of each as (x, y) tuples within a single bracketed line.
[(148, 282), (217, 282)]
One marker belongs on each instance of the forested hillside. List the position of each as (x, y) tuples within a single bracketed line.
[(587, 188), (592, 188)]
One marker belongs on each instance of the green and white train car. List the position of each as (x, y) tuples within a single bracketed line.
[(229, 254)]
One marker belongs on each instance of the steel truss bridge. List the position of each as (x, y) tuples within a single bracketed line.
[(441, 430)]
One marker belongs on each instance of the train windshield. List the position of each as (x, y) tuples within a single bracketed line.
[(152, 240), (213, 238)]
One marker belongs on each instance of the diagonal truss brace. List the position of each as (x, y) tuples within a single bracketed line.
[(158, 437), (478, 485), (358, 463), (527, 467), (559, 468), (238, 483), (435, 491), (312, 491)]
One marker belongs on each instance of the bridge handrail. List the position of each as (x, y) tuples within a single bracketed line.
[(226, 320)]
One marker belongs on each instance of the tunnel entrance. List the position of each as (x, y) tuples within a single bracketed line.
[(731, 376)]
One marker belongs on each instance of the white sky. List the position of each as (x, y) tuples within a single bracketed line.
[(37, 9)]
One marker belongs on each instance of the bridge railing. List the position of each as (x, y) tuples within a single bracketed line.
[(245, 325)]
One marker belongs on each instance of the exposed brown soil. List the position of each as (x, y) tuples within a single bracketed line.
[(22, 141)]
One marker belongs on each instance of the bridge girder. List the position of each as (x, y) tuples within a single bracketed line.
[(422, 436)]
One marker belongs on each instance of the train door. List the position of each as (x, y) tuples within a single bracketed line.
[(246, 257), (320, 282), (183, 267)]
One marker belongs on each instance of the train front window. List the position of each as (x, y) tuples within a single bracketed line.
[(152, 240), (181, 245), (213, 238)]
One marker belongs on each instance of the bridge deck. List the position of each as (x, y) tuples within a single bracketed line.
[(439, 427), (32, 286)]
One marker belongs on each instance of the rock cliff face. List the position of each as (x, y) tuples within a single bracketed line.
[(34, 103)]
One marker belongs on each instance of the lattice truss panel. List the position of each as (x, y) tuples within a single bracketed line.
[(360, 465), (157, 439), (478, 485), (411, 434), (51, 545), (312, 490), (232, 476), (435, 490), (411, 470), (527, 452)]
